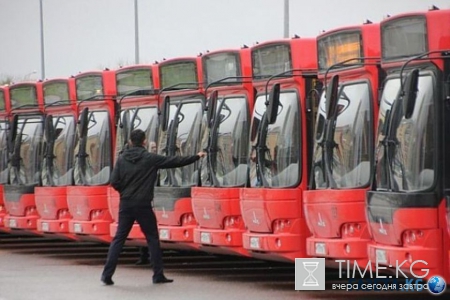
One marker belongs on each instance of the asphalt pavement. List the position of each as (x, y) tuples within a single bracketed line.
[(34, 268), (30, 276)]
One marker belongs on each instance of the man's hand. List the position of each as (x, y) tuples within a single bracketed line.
[(201, 154)]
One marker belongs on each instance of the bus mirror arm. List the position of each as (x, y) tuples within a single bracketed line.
[(410, 93), (447, 91), (165, 113), (332, 97)]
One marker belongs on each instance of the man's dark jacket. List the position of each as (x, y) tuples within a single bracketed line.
[(135, 173)]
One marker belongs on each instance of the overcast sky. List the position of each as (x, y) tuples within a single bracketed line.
[(84, 35)]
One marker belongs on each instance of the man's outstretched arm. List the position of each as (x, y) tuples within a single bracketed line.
[(167, 162)]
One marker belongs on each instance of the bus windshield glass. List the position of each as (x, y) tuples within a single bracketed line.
[(278, 159), (26, 162), (163, 146), (407, 161), (123, 128), (350, 139), (133, 80), (56, 92), (64, 127), (190, 118), (185, 133), (146, 119), (257, 118), (89, 86), (230, 160), (98, 148), (221, 65), (23, 95)]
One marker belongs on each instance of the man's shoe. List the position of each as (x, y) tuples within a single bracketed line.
[(107, 281), (142, 262), (162, 279)]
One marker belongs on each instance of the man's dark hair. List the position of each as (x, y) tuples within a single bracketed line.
[(137, 137)]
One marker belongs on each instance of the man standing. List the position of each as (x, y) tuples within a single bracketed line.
[(134, 177), (144, 257)]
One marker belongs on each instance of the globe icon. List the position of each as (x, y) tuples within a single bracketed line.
[(436, 285)]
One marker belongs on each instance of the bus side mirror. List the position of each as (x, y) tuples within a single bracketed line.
[(410, 93), (385, 126), (49, 129), (331, 97), (12, 133), (125, 125), (165, 113), (320, 128), (274, 102), (83, 122), (212, 104), (117, 111)]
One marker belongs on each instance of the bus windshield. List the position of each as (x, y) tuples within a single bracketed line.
[(146, 119), (278, 153), (64, 127), (98, 161), (184, 137), (229, 162), (405, 153), (122, 130), (26, 162), (257, 117), (349, 134)]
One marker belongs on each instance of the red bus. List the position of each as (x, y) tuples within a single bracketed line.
[(281, 148), (87, 198), (344, 141), (182, 131), (226, 73), (57, 165), (406, 208), (137, 96), (25, 151), (5, 110)]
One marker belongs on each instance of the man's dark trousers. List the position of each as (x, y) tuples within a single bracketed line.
[(147, 221)]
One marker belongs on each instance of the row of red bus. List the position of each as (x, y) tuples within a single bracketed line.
[(332, 147)]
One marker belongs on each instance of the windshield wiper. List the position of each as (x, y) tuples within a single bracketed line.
[(49, 151)]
